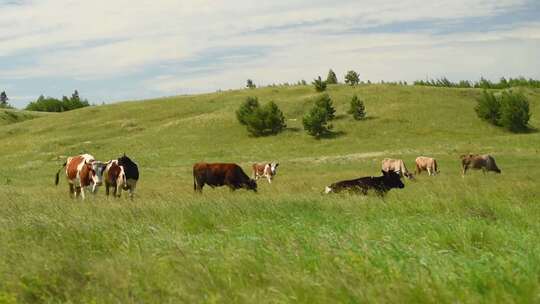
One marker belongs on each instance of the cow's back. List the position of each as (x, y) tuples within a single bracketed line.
[(74, 165)]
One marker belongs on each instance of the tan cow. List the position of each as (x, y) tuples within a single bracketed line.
[(267, 170), (428, 164), (485, 162), (82, 171), (396, 165)]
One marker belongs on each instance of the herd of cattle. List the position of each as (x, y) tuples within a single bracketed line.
[(83, 171)]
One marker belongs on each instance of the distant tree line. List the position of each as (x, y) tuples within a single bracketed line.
[(51, 104), (483, 83)]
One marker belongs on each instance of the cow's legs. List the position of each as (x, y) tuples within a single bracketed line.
[(464, 171), (118, 190), (107, 189), (71, 190), (131, 189), (82, 192), (429, 171), (269, 179)]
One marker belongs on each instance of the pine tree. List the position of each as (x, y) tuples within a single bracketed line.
[(324, 101), (352, 78), (331, 78), (315, 122), (3, 100), (319, 84), (246, 109), (357, 109), (250, 84)]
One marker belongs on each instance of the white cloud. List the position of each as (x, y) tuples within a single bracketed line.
[(104, 39)]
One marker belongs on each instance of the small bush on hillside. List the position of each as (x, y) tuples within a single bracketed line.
[(509, 110), (331, 78), (488, 108), (319, 84), (259, 120), (357, 109), (515, 113), (352, 78), (324, 101), (316, 122), (247, 109)]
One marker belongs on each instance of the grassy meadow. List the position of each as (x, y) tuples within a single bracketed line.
[(442, 239)]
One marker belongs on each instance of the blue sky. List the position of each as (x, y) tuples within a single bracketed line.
[(113, 50)]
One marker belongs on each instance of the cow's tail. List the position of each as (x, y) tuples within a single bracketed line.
[(57, 178)]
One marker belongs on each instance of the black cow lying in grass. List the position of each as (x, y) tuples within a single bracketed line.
[(381, 184)]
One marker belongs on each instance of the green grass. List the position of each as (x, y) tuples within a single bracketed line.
[(10, 116), (441, 239)]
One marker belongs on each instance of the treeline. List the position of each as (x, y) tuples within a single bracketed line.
[(51, 104), (483, 83)]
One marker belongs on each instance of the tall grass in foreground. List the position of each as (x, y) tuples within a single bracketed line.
[(471, 246)]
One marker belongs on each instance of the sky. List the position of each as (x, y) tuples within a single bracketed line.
[(115, 50)]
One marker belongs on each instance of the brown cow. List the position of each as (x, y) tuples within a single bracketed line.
[(475, 161), (82, 171), (219, 174), (428, 164), (115, 177), (267, 170), (396, 165)]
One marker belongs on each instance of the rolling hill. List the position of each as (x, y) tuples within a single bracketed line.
[(441, 239)]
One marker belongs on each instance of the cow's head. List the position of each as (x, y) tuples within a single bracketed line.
[(392, 179), (251, 184), (408, 175), (99, 168), (328, 189), (273, 168)]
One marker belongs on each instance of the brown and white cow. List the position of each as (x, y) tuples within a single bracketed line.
[(396, 165), (220, 174), (475, 161), (428, 164), (114, 177), (267, 170), (82, 171)]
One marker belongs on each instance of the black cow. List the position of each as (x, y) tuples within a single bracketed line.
[(381, 184), (131, 172), (219, 174)]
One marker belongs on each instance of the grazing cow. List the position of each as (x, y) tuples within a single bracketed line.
[(267, 170), (114, 176), (475, 161), (396, 165), (381, 184), (426, 164), (131, 172), (219, 174), (82, 171)]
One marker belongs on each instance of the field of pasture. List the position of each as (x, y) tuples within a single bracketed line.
[(440, 239)]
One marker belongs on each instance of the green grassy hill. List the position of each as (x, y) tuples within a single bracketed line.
[(8, 116), (441, 239)]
